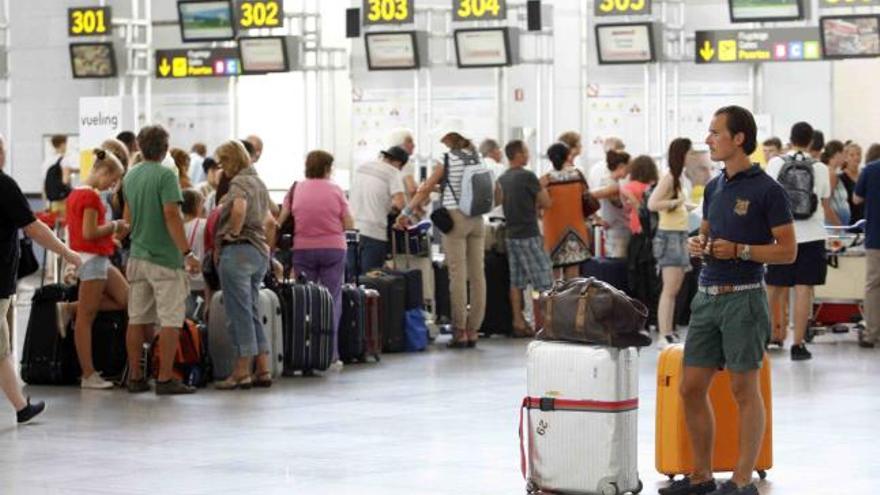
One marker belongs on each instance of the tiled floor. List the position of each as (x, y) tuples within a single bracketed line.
[(441, 422)]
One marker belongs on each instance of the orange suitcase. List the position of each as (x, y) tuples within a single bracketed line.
[(673, 446)]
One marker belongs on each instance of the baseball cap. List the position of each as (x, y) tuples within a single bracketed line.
[(396, 153)]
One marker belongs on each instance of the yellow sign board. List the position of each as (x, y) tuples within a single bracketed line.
[(622, 7), (260, 14), (475, 10), (378, 12), (88, 21)]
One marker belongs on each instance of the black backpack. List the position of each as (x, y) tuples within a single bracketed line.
[(649, 220), (54, 186), (796, 177)]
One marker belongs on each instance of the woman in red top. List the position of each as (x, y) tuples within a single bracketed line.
[(102, 287)]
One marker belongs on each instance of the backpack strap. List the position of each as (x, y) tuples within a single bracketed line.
[(446, 182)]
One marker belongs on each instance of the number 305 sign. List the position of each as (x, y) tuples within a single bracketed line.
[(622, 7)]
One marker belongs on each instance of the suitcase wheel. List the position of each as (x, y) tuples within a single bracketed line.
[(308, 373), (639, 488), (762, 474), (610, 489)]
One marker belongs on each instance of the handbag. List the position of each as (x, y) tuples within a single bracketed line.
[(440, 217), (27, 262), (589, 204), (589, 311), (289, 225)]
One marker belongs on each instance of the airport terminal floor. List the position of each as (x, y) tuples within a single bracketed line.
[(441, 423)]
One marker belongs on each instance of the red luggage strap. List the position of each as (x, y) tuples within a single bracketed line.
[(547, 404)]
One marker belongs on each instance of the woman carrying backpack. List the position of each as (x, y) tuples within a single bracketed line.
[(463, 230), (669, 200)]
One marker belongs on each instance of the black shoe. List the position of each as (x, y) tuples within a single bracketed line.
[(864, 344), (174, 387), (730, 488), (685, 487), (30, 411), (137, 386), (800, 353)]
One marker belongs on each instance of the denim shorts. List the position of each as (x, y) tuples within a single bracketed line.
[(670, 249), (94, 269)]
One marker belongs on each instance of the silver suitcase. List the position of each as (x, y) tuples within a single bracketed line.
[(220, 344), (579, 423)]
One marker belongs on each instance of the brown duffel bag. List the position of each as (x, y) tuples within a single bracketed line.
[(589, 311)]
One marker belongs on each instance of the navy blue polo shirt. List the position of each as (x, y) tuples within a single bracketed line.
[(744, 209), (869, 181)]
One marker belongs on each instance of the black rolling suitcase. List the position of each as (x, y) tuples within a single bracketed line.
[(499, 313), (442, 299), (108, 344), (392, 307), (352, 329), (414, 290), (307, 319), (48, 358)]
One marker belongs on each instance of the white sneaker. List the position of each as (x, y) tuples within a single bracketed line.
[(337, 366), (665, 341), (95, 382)]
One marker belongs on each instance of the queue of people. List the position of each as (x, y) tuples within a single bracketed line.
[(142, 224)]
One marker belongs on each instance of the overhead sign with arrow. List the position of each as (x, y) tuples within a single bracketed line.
[(758, 45), (203, 62)]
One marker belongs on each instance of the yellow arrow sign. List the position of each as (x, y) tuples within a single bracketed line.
[(707, 52), (164, 67)]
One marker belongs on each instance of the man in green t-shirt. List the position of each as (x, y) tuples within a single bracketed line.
[(159, 253)]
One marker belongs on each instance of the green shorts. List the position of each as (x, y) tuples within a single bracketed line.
[(728, 330)]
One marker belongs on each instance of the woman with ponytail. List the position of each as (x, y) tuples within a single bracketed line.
[(670, 243), (566, 237), (102, 286)]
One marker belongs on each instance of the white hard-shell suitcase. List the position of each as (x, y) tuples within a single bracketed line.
[(579, 422), (220, 344)]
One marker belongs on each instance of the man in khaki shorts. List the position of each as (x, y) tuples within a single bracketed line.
[(747, 222), (159, 253)]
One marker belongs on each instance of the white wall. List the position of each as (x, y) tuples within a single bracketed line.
[(45, 97)]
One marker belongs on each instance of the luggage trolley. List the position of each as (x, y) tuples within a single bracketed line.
[(838, 306)]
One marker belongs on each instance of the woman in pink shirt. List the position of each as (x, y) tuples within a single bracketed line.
[(321, 217), (642, 175)]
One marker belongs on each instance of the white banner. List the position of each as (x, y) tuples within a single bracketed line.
[(100, 118)]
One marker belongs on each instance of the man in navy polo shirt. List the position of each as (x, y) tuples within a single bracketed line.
[(747, 222), (870, 181)]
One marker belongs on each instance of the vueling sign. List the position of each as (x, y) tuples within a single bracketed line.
[(758, 45)]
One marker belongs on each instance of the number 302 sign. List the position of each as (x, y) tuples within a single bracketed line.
[(622, 7)]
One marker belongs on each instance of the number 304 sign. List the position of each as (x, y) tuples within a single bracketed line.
[(622, 7)]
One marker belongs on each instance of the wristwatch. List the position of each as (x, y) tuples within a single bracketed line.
[(745, 253)]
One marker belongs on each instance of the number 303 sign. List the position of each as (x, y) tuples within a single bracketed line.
[(622, 7)]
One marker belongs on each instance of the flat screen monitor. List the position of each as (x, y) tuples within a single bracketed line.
[(483, 47), (202, 20), (765, 10), (392, 50), (854, 36), (263, 55), (625, 43), (92, 60)]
